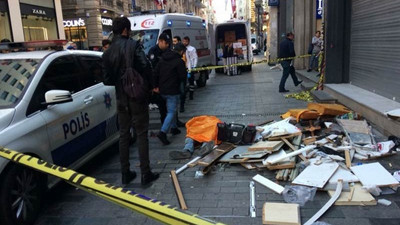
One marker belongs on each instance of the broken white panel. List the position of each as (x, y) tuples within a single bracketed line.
[(274, 156), (343, 174), (374, 174), (268, 183), (316, 175)]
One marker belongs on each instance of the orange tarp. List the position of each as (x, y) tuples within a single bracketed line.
[(314, 110), (203, 128)]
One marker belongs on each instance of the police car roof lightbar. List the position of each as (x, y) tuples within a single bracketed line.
[(54, 44)]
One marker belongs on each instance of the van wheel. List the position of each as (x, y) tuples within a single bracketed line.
[(202, 81), (21, 195)]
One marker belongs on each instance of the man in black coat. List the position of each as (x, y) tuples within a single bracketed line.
[(130, 111), (286, 50), (168, 76)]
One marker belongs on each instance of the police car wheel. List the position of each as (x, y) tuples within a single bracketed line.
[(21, 192)]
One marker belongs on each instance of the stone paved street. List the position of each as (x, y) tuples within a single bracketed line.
[(222, 195)]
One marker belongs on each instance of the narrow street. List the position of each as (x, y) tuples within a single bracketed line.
[(221, 195)]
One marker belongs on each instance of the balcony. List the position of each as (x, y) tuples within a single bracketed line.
[(108, 3)]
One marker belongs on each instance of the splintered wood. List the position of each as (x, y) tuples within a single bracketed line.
[(357, 196), (266, 145), (281, 213)]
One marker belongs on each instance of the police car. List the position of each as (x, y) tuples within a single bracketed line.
[(54, 106)]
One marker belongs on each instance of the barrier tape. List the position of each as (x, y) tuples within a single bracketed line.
[(129, 199), (247, 64)]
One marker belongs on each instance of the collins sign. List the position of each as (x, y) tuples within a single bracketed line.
[(74, 23)]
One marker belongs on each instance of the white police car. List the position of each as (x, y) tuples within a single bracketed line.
[(52, 106)]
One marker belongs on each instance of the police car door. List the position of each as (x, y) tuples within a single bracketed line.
[(68, 124)]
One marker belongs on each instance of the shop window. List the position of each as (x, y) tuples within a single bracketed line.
[(5, 31)]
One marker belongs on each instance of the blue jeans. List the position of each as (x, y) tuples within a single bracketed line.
[(172, 105), (313, 61), (189, 145), (287, 69)]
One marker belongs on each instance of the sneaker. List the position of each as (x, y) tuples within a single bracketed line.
[(185, 154), (175, 131), (163, 138), (128, 177), (205, 148), (180, 123), (149, 177), (300, 81)]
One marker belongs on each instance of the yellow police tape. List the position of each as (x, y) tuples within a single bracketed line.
[(247, 64), (150, 207)]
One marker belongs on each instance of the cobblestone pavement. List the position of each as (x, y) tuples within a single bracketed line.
[(222, 195)]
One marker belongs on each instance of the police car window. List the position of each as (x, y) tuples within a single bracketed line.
[(15, 75), (148, 38), (93, 73), (62, 74)]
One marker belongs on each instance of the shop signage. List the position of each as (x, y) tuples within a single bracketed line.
[(320, 7), (38, 11), (74, 23), (106, 21)]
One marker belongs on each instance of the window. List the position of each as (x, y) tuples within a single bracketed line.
[(6, 77), (4, 95), (12, 83), (62, 74), (93, 73)]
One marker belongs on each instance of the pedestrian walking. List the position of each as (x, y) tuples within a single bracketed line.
[(169, 74), (191, 62), (317, 44), (175, 41), (131, 112), (286, 50)]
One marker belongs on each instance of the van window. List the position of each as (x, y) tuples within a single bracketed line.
[(198, 37), (148, 38)]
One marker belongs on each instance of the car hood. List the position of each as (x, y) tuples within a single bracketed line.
[(6, 116)]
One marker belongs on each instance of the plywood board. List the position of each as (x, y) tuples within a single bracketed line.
[(354, 126), (374, 174), (360, 196), (215, 154), (266, 145), (236, 151), (316, 175), (281, 213), (276, 155), (268, 183), (343, 174), (276, 138)]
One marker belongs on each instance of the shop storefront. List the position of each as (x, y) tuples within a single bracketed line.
[(107, 26), (76, 31), (5, 29), (39, 22)]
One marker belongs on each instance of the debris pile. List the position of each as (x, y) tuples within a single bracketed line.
[(325, 147)]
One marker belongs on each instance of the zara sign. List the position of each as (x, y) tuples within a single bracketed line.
[(74, 23)]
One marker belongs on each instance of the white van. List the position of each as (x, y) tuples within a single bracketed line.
[(237, 32), (148, 28)]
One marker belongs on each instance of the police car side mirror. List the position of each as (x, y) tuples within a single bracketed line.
[(53, 97)]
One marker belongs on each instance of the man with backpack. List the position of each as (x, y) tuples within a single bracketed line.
[(125, 57)]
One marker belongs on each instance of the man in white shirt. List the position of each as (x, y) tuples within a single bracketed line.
[(191, 62)]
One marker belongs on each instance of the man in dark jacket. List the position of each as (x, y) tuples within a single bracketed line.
[(169, 74), (130, 111), (286, 50)]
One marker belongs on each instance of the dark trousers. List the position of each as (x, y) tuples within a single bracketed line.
[(182, 94), (191, 85), (136, 115), (161, 104), (287, 69)]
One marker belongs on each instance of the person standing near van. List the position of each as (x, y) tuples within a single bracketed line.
[(191, 62), (317, 44), (286, 50), (130, 111), (175, 41), (168, 75)]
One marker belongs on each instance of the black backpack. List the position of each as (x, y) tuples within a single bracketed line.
[(133, 83)]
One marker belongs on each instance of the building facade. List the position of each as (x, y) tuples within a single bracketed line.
[(29, 20), (88, 22)]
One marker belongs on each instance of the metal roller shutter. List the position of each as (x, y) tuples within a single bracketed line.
[(375, 46)]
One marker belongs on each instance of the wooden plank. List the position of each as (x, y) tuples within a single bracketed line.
[(356, 126), (178, 190), (360, 197), (297, 152), (215, 154), (284, 165), (327, 205), (309, 140), (277, 138), (348, 159), (268, 183), (316, 175), (281, 213), (265, 145), (293, 148), (374, 174)]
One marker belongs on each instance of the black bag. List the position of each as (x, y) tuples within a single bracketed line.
[(133, 83), (232, 133), (310, 48), (249, 134)]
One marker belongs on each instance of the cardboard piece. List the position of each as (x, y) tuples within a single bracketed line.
[(374, 174), (316, 175), (281, 213), (360, 197), (266, 145)]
